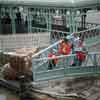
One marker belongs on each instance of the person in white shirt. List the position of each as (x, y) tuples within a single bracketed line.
[(74, 39)]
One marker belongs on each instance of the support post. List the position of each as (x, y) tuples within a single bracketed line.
[(47, 21), (50, 21), (29, 22), (72, 21), (0, 20), (83, 19), (68, 24), (12, 15), (94, 60)]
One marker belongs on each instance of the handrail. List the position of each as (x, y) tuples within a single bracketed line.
[(88, 23), (50, 30), (64, 56), (49, 47), (67, 32)]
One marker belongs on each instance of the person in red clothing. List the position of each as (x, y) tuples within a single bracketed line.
[(52, 61), (64, 47), (80, 57), (80, 52)]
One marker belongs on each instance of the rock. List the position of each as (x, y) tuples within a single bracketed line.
[(97, 83), (85, 87), (8, 73), (45, 97), (85, 93), (42, 96), (94, 97), (20, 61)]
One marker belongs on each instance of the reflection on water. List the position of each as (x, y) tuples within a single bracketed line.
[(9, 95)]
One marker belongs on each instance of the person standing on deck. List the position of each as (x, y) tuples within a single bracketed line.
[(64, 47), (52, 60), (80, 52), (74, 39)]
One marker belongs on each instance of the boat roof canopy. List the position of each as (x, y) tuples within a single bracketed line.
[(52, 3)]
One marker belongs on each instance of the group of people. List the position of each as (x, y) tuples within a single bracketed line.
[(72, 44)]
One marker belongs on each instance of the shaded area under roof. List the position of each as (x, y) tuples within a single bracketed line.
[(52, 3)]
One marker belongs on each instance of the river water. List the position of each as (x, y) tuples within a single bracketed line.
[(7, 94)]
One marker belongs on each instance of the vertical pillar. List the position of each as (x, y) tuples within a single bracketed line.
[(50, 27), (47, 21), (29, 21), (76, 25), (73, 21), (43, 15), (84, 22), (94, 60), (12, 15), (0, 20), (70, 21), (83, 19), (66, 22), (49, 17), (77, 14)]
